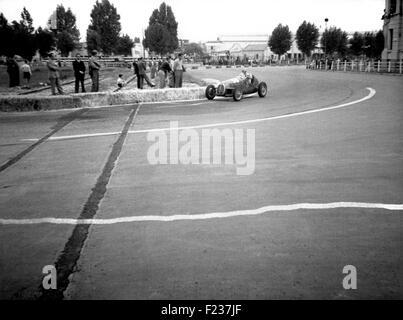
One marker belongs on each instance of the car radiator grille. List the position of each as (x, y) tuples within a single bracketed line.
[(221, 89)]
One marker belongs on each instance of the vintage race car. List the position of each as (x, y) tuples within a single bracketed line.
[(237, 87)]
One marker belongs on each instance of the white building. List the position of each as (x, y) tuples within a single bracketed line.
[(139, 51), (234, 45), (253, 47)]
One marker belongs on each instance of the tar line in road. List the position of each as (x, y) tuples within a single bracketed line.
[(62, 122), (67, 260)]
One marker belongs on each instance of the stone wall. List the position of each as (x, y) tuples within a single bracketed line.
[(37, 103)]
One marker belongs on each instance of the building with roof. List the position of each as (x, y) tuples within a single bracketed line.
[(258, 52), (253, 47), (234, 45)]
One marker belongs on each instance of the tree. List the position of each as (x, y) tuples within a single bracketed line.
[(22, 37), (280, 40), (373, 44), (307, 37), (45, 41), (6, 36), (105, 21), (379, 44), (356, 44), (194, 49), (67, 35), (125, 45), (65, 43), (335, 41), (26, 21), (93, 41), (161, 35), (156, 38)]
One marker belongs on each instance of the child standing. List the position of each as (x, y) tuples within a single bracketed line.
[(26, 72)]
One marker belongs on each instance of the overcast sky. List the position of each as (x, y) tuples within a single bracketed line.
[(203, 20)]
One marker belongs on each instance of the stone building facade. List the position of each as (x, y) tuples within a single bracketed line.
[(393, 29)]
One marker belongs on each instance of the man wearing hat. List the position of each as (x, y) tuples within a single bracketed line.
[(94, 67)]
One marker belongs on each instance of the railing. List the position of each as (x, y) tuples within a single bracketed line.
[(357, 66)]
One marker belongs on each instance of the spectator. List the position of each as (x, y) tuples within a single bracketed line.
[(26, 72), (153, 68), (163, 72), (136, 72), (178, 70), (171, 75), (54, 75), (121, 82), (79, 73), (94, 67), (13, 71), (142, 74)]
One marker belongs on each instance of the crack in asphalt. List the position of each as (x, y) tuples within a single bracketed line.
[(67, 261), (62, 122)]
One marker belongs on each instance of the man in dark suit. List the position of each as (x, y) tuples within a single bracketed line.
[(136, 72), (142, 74), (13, 71), (79, 73)]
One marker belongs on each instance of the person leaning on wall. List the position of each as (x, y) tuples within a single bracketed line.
[(163, 72)]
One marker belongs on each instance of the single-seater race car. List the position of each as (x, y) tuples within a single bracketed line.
[(245, 83)]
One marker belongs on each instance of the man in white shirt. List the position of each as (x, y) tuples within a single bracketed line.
[(178, 71), (26, 72)]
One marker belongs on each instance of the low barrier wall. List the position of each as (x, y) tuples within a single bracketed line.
[(96, 99)]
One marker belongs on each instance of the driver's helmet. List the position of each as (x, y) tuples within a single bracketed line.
[(245, 74)]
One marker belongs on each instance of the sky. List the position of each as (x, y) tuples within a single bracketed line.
[(204, 20)]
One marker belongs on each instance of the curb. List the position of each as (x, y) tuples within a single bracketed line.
[(94, 99)]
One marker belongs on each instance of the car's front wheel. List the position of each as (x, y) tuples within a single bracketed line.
[(237, 95), (262, 89), (210, 92)]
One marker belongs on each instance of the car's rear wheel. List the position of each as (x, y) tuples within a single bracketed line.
[(237, 95), (262, 89), (210, 92)]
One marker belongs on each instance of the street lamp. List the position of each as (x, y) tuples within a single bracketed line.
[(326, 21)]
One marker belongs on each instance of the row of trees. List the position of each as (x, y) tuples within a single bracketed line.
[(103, 34), (334, 41), (161, 35), (20, 37)]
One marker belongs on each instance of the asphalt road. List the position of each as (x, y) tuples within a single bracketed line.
[(349, 154)]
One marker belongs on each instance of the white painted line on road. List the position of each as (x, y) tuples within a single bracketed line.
[(206, 216), (372, 93), (79, 136)]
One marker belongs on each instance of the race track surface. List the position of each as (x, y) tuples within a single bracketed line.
[(52, 166)]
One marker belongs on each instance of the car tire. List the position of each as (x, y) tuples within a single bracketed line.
[(237, 95), (210, 92), (262, 89)]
